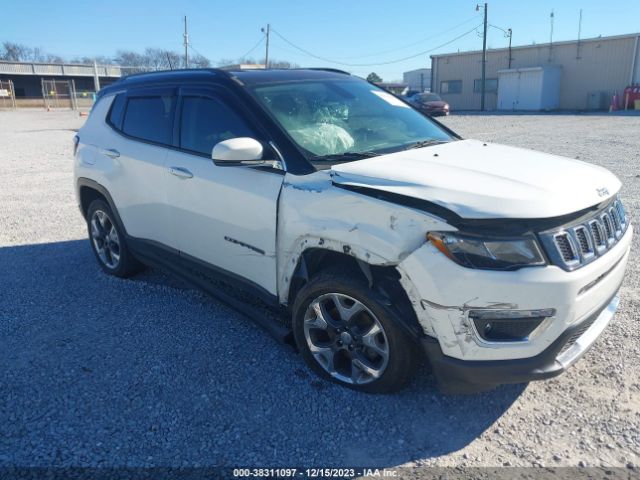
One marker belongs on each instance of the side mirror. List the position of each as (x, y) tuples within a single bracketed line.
[(238, 152)]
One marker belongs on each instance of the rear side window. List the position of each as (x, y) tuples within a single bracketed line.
[(205, 122), (117, 111), (150, 118)]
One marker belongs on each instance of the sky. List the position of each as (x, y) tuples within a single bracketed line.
[(352, 34)]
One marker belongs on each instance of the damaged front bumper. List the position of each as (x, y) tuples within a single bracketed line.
[(451, 302), (568, 348)]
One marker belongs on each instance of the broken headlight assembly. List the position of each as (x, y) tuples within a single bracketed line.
[(488, 253)]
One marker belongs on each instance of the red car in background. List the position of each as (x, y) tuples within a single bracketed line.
[(429, 103)]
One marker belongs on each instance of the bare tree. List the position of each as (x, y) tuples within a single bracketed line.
[(282, 64), (15, 52), (199, 61), (275, 63)]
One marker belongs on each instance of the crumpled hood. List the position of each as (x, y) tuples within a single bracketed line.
[(484, 180)]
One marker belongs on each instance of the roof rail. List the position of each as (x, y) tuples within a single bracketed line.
[(175, 70), (334, 70)]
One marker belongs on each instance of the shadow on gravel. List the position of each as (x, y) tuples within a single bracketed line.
[(101, 371)]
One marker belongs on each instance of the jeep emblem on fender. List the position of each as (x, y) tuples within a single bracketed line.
[(603, 192)]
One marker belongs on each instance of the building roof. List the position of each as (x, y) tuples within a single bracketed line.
[(418, 70), (539, 45), (59, 69)]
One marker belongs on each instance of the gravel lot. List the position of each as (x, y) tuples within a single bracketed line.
[(97, 371)]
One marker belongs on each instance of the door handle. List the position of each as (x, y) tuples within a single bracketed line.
[(110, 152), (180, 172)]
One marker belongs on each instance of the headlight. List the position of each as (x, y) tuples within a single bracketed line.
[(488, 253)]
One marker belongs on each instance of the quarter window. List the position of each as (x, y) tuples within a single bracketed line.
[(150, 118), (117, 111), (451, 86), (490, 85), (205, 122)]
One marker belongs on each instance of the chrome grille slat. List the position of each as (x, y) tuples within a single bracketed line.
[(608, 229), (566, 248), (575, 245)]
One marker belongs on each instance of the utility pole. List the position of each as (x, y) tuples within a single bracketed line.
[(579, 32), (551, 38), (484, 55), (266, 53), (96, 77), (510, 34), (186, 44)]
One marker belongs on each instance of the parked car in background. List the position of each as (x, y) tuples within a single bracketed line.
[(429, 103)]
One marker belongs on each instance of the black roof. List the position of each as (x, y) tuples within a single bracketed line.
[(262, 76), (246, 77)]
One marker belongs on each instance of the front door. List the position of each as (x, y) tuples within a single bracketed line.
[(223, 216)]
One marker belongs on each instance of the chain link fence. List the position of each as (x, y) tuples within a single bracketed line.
[(7, 95), (53, 92)]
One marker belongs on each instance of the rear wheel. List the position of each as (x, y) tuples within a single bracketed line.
[(348, 334), (108, 242)]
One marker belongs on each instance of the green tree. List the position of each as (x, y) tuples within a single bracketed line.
[(373, 77)]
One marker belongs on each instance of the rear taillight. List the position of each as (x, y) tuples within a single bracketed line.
[(76, 141)]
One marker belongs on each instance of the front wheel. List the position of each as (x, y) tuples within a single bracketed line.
[(348, 334)]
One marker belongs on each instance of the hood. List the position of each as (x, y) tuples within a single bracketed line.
[(435, 104), (478, 180)]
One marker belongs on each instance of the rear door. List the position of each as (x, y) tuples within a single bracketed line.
[(222, 216), (139, 154)]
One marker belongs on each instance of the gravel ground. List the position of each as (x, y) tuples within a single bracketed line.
[(97, 371)]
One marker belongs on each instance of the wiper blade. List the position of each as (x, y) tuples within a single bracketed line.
[(346, 156), (424, 143)]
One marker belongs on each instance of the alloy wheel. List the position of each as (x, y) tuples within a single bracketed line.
[(346, 338), (105, 239)]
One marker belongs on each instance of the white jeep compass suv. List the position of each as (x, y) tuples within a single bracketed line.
[(374, 234)]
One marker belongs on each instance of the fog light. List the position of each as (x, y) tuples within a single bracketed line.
[(508, 325)]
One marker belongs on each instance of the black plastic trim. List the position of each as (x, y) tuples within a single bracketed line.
[(170, 256), (204, 277)]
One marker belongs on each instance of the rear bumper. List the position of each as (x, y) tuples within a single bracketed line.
[(568, 348)]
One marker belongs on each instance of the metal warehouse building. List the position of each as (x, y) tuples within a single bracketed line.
[(419, 79), (24, 84), (572, 75)]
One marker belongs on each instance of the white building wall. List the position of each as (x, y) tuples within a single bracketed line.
[(593, 65), (416, 79)]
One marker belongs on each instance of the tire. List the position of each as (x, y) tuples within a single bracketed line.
[(369, 352), (108, 242)]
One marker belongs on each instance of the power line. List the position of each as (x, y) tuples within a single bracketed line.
[(253, 48), (195, 50), (328, 60), (431, 37)]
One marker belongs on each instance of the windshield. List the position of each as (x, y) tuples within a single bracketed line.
[(344, 120)]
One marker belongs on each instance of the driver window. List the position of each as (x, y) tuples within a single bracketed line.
[(204, 122)]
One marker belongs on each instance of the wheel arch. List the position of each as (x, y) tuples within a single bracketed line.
[(90, 190), (383, 279)]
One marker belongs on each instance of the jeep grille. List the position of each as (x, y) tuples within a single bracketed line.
[(575, 245)]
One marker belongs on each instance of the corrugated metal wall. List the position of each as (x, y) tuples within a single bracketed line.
[(594, 65), (418, 78)]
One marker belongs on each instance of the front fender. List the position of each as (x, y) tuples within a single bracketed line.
[(314, 213)]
